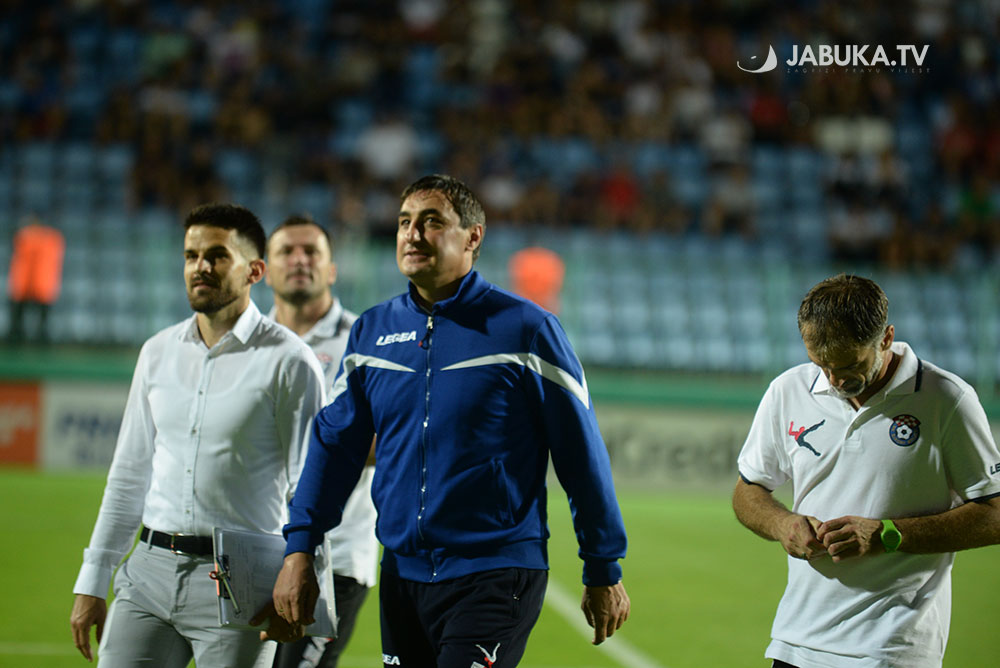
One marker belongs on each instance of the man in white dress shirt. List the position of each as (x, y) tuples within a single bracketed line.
[(214, 434), (301, 272)]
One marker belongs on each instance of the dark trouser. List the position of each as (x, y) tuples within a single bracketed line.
[(781, 664), (479, 619), (18, 332), (348, 595)]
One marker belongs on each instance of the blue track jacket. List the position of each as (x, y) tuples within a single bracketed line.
[(468, 401)]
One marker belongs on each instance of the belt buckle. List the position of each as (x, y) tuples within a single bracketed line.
[(173, 537)]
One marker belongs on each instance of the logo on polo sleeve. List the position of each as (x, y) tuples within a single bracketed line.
[(904, 430)]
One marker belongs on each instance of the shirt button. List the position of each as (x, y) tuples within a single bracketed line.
[(194, 430)]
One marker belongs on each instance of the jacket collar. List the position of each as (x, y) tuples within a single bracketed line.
[(471, 288)]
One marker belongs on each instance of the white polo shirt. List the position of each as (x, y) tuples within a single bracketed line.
[(920, 446), (351, 545)]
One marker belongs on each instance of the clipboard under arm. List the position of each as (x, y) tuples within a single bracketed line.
[(246, 566)]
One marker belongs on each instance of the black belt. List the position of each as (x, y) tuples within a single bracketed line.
[(200, 546)]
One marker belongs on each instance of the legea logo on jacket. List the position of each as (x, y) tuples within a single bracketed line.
[(398, 337)]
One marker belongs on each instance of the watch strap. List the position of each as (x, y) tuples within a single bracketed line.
[(891, 538)]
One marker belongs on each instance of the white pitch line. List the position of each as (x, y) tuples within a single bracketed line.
[(620, 650), (54, 649), (37, 648)]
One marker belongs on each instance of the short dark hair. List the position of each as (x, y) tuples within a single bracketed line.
[(298, 219), (844, 310), (468, 207), (230, 217)]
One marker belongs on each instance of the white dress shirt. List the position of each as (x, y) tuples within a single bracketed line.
[(210, 437), (352, 546)]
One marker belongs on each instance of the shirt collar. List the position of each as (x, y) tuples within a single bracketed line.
[(242, 330), (325, 327), (904, 380)]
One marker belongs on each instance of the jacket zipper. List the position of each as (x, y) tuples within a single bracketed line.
[(426, 345)]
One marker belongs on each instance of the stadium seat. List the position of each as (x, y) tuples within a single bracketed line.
[(6, 192), (114, 162), (767, 162), (10, 95), (36, 194), (77, 160), (78, 194), (679, 352), (36, 160), (807, 165), (237, 169), (639, 350)]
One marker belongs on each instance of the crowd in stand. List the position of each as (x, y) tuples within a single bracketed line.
[(627, 115)]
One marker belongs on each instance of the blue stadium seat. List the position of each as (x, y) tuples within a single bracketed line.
[(422, 66), (715, 352), (6, 192), (768, 192), (806, 165), (750, 354), (430, 148), (36, 194), (691, 188), (202, 105), (679, 352), (123, 55), (238, 169), (114, 162), (631, 314), (10, 95), (85, 41), (639, 350), (315, 199), (353, 114), (767, 162), (687, 159), (649, 157), (78, 194), (36, 159), (84, 101), (78, 160)]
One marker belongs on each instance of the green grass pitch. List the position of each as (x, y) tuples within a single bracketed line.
[(703, 589)]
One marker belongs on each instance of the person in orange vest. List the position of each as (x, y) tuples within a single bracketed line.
[(537, 274), (35, 277)]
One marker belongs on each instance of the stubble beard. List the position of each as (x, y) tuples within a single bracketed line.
[(299, 296), (869, 379), (211, 304)]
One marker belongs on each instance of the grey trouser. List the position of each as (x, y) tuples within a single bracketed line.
[(165, 612)]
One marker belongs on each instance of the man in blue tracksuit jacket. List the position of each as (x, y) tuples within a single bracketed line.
[(469, 389)]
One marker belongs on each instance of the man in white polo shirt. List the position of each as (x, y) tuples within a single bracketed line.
[(301, 272), (213, 435), (893, 469)]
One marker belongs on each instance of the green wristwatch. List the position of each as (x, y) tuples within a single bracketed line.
[(891, 538)]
